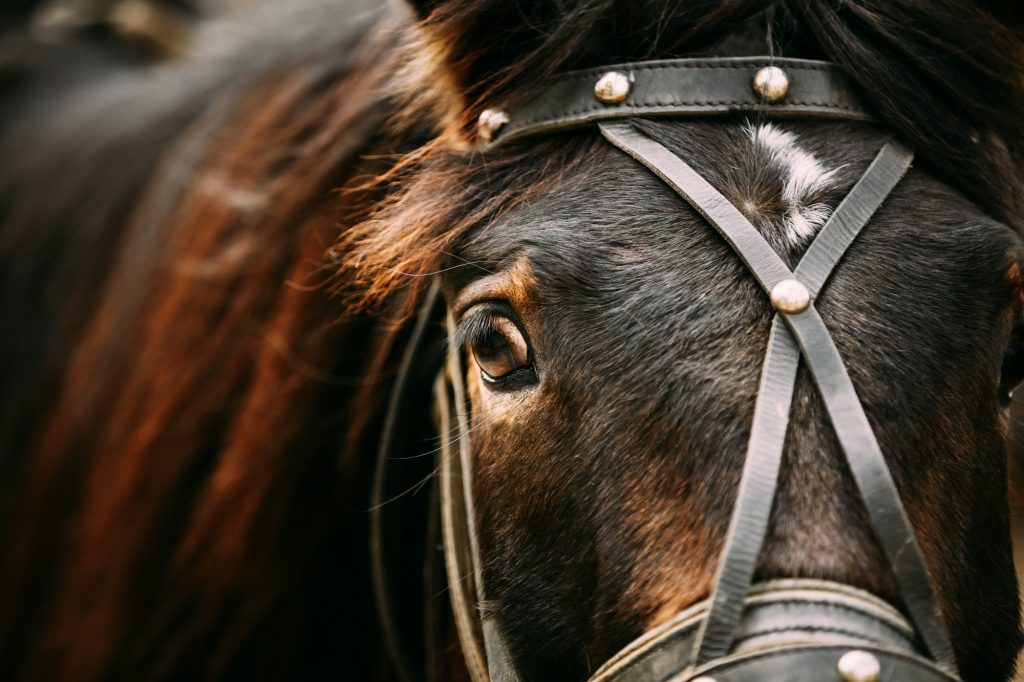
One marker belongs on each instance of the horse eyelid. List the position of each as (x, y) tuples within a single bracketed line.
[(472, 329), (476, 325)]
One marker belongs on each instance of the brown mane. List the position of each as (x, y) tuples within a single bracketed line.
[(193, 485)]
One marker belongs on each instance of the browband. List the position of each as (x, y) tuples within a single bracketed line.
[(772, 86)]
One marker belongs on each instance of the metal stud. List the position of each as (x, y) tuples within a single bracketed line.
[(490, 122), (859, 666), (790, 296), (612, 88), (771, 83)]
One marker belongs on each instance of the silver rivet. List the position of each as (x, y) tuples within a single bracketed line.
[(790, 296), (490, 122), (772, 83), (859, 666), (612, 88)]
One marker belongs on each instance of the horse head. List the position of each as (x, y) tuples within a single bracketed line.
[(613, 395)]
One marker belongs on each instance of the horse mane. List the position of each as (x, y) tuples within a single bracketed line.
[(185, 418)]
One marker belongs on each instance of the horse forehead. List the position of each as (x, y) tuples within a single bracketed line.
[(614, 208), (613, 233)]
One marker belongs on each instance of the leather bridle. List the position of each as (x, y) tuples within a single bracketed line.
[(783, 629)]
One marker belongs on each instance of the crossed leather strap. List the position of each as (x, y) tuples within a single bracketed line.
[(799, 334)]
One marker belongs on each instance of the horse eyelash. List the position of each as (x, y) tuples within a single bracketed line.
[(474, 329)]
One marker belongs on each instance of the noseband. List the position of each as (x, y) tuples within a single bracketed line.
[(776, 630)]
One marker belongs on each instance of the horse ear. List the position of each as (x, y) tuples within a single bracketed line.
[(491, 49), (477, 50), (486, 50)]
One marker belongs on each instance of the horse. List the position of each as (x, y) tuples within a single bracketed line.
[(250, 294)]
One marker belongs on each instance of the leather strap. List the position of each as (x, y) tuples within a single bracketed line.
[(381, 591), (683, 87), (868, 466), (749, 523), (778, 615), (457, 554), (752, 511), (487, 654), (814, 663)]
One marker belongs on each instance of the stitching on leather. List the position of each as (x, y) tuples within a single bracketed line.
[(590, 73), (834, 605), (753, 658), (672, 639), (598, 106), (802, 628), (588, 76), (513, 126)]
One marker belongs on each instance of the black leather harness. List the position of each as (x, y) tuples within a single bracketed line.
[(779, 630), (672, 88)]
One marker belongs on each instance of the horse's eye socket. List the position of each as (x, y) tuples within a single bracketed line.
[(500, 349), (1013, 366)]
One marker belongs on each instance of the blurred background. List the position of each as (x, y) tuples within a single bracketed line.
[(159, 29)]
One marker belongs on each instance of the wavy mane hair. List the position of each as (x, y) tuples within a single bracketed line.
[(188, 413)]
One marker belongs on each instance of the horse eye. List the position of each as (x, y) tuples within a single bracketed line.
[(1013, 366), (500, 350)]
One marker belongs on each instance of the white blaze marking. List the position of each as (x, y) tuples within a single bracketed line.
[(805, 178)]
